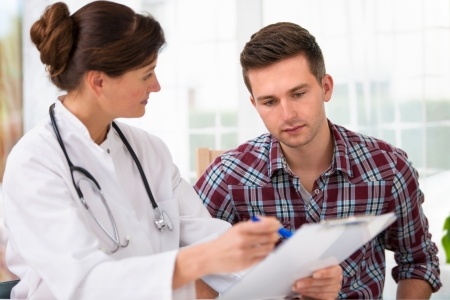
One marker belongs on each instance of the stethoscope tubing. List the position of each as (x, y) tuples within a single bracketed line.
[(138, 165), (162, 220)]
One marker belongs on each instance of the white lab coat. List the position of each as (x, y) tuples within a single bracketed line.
[(53, 245)]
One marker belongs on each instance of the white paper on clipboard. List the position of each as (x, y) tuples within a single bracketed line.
[(313, 246)]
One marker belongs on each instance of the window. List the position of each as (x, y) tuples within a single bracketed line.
[(390, 61)]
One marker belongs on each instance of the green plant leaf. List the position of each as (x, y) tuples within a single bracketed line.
[(447, 224), (446, 239)]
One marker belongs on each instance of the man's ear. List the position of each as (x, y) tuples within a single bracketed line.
[(327, 86), (94, 80)]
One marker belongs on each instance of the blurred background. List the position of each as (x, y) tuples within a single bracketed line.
[(390, 60)]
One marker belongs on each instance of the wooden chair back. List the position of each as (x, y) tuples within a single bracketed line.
[(204, 157)]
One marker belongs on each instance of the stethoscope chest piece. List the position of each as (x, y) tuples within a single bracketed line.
[(162, 220)]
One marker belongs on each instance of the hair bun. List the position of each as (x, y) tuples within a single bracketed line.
[(53, 36)]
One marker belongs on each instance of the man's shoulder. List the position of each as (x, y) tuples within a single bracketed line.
[(369, 158), (355, 141), (258, 145), (251, 151), (250, 159)]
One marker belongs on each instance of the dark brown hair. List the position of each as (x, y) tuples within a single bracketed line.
[(102, 36), (279, 41)]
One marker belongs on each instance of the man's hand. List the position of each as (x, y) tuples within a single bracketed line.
[(204, 291), (323, 284)]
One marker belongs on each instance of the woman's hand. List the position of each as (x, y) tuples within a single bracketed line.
[(323, 284), (240, 247), (243, 245)]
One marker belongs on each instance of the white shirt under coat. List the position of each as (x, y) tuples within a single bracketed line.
[(53, 245)]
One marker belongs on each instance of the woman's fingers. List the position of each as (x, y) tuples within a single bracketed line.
[(245, 244)]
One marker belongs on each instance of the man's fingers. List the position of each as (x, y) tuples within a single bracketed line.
[(330, 272), (323, 284)]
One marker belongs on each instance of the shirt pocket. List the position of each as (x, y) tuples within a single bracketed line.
[(266, 200), (350, 198)]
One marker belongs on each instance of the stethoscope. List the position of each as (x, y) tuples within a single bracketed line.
[(162, 219)]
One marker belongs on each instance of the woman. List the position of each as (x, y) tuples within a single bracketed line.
[(95, 208)]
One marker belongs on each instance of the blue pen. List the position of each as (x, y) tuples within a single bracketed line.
[(283, 232)]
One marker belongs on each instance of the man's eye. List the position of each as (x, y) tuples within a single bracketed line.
[(269, 102), (299, 95)]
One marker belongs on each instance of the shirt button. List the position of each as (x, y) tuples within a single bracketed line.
[(317, 191)]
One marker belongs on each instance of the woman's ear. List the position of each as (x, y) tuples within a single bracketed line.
[(94, 81)]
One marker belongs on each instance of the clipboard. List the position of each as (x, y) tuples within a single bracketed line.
[(313, 246)]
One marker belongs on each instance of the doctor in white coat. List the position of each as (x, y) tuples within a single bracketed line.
[(95, 208)]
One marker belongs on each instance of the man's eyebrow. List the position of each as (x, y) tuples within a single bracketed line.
[(299, 87), (261, 98)]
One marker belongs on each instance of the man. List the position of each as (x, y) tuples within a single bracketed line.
[(308, 169)]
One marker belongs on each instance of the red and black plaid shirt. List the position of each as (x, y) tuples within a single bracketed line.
[(367, 176)]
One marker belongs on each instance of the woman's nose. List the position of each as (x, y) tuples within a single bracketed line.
[(155, 86)]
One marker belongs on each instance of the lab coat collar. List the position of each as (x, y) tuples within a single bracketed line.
[(68, 119), (64, 116)]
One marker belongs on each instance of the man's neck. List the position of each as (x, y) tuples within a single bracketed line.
[(309, 161)]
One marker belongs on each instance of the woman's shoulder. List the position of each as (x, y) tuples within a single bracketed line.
[(141, 139), (37, 140), (134, 132)]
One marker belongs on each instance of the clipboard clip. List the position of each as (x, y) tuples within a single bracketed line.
[(349, 221)]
